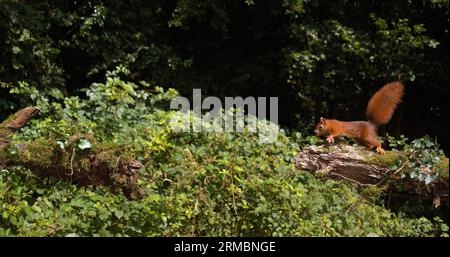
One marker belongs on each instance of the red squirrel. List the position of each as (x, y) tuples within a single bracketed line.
[(379, 111)]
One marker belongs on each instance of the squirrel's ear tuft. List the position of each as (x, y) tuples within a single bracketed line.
[(322, 118)]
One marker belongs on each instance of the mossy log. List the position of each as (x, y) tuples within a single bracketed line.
[(14, 123), (95, 164), (365, 168)]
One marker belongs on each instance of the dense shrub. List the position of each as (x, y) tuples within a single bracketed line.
[(321, 58), (197, 184)]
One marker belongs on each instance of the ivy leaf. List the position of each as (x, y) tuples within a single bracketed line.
[(61, 144), (72, 235), (84, 144), (119, 213)]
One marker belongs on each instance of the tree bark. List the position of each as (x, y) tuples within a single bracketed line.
[(14, 123), (363, 168), (97, 164)]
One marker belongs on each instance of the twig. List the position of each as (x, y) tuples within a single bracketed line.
[(401, 167), (406, 162), (232, 191), (71, 162)]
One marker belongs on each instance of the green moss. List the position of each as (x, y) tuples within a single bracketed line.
[(39, 151), (4, 154), (8, 120), (443, 165), (4, 133), (84, 164), (389, 159)]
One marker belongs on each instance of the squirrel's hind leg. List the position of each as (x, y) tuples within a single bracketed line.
[(380, 150), (371, 143)]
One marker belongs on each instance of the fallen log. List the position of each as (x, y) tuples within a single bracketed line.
[(14, 123), (364, 168), (79, 159)]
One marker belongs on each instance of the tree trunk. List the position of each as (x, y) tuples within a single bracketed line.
[(90, 164), (367, 168)]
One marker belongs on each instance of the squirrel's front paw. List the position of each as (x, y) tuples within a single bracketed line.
[(330, 139), (380, 150)]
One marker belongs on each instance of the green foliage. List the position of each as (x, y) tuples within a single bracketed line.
[(196, 184), (321, 58), (334, 59), (423, 160)]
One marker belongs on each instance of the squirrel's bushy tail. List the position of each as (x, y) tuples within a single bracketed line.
[(383, 103)]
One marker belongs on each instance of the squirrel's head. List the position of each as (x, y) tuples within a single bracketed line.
[(321, 127)]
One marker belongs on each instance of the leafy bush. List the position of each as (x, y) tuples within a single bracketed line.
[(321, 58), (196, 184), (424, 160)]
